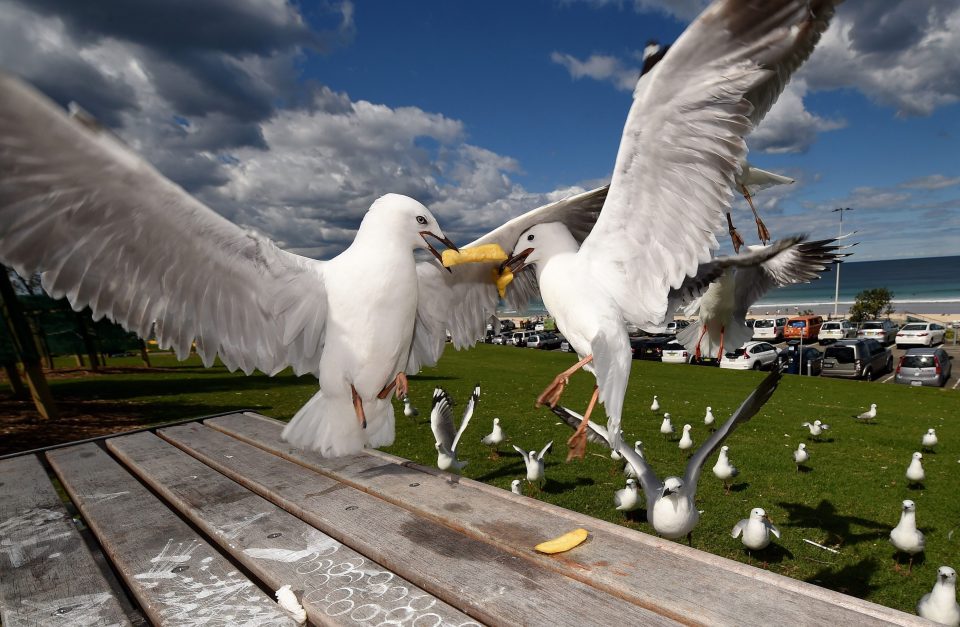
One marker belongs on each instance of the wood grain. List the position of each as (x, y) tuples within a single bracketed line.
[(336, 585), (177, 577), (482, 580), (47, 574), (674, 580)]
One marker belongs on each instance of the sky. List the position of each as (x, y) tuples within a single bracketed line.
[(292, 118)]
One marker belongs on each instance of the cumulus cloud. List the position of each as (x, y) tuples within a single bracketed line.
[(599, 67), (934, 181), (682, 10), (789, 127)]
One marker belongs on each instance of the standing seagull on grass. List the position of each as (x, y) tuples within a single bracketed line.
[(447, 436), (940, 604), (905, 536), (494, 439), (534, 463), (801, 456), (671, 507), (756, 530), (816, 428), (915, 473), (672, 183), (724, 470), (929, 440), (868, 415)]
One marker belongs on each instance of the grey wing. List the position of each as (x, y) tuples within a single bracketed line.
[(545, 450), (467, 414), (739, 527), (595, 433), (441, 419), (108, 231), (645, 474), (745, 412), (773, 529)]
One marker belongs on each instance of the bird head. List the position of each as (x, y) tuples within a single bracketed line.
[(802, 446), (671, 485), (724, 448), (918, 455), (909, 506), (817, 423), (409, 220), (631, 483), (686, 428), (538, 244), (758, 513), (931, 432), (947, 575), (496, 421)]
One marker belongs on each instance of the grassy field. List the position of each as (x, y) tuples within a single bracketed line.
[(849, 499)]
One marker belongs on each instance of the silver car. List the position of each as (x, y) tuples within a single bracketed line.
[(836, 330), (856, 359), (882, 331), (924, 366)]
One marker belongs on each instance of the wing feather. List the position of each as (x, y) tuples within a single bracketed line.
[(106, 230), (467, 414), (441, 418)]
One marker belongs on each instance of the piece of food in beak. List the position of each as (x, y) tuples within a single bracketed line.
[(484, 252), (502, 279)]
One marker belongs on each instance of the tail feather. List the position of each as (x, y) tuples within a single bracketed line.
[(328, 425)]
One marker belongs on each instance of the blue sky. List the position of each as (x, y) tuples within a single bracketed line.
[(292, 118)]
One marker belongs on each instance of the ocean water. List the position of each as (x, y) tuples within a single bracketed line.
[(929, 284)]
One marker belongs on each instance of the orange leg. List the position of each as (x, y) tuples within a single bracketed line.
[(401, 383), (551, 395), (358, 407), (578, 441), (734, 235), (762, 231), (696, 352), (720, 354)]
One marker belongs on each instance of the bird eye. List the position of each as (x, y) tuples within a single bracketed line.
[(529, 238), (421, 220)]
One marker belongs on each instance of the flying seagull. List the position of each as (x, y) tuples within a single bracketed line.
[(940, 604), (446, 435), (670, 504), (721, 310), (672, 183), (108, 231)]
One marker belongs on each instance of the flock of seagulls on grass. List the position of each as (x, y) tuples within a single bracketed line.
[(636, 252)]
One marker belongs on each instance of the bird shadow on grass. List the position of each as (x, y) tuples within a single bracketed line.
[(902, 559), (838, 526), (511, 469), (773, 554), (853, 579), (820, 441), (915, 486), (434, 377), (552, 486), (740, 487), (803, 468)]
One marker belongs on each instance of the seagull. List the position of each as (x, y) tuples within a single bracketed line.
[(409, 410), (905, 536), (627, 499), (929, 439), (940, 604), (816, 428), (868, 415), (534, 462), (749, 181), (686, 442), (655, 405), (756, 530), (515, 486), (627, 468), (666, 427), (672, 183), (801, 456), (107, 230), (446, 435), (671, 509), (494, 438), (724, 470), (915, 472), (708, 418), (721, 311)]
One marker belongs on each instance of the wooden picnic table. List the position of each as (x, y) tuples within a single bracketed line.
[(199, 523)]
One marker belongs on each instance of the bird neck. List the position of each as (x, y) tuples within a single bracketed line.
[(909, 520), (944, 592)]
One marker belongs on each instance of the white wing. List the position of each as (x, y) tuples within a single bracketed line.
[(108, 231), (739, 527), (545, 450), (525, 454), (467, 414), (463, 300), (680, 150), (441, 419)]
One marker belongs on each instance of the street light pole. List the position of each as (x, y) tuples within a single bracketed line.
[(836, 265)]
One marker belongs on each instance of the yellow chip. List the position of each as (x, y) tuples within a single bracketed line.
[(502, 280), (563, 543), (486, 252)]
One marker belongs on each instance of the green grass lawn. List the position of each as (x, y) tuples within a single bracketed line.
[(849, 500)]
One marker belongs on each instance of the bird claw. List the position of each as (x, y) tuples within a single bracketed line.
[(577, 445), (551, 395), (736, 240), (762, 231)]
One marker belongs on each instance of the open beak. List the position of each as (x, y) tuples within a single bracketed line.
[(666, 492), (517, 262), (443, 240)]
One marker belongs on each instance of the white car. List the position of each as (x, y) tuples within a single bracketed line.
[(920, 334), (674, 353), (751, 356), (769, 328), (882, 331), (837, 330)]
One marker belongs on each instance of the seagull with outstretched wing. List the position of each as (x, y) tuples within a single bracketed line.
[(672, 182), (534, 462), (447, 436)]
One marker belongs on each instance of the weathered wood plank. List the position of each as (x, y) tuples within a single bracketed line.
[(337, 585), (482, 580), (47, 574), (178, 578), (674, 580)]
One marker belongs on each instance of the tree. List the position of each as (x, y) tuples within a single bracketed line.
[(872, 304)]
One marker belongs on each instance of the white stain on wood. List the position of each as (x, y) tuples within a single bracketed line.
[(79, 611), (28, 535), (100, 497)]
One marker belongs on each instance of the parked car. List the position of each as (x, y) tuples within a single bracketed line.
[(924, 366), (676, 326), (649, 347), (751, 356), (834, 330), (519, 338), (883, 331), (566, 347), (674, 353), (503, 338), (545, 341), (507, 325), (809, 362), (856, 359), (920, 333), (538, 327), (769, 328), (806, 327)]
